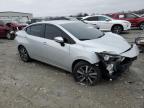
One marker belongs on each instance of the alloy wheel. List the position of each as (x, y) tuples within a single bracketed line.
[(142, 26), (117, 29), (23, 54), (87, 75), (8, 35)]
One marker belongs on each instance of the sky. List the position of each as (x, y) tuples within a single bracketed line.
[(41, 8)]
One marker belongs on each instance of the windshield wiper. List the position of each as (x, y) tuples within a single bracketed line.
[(84, 39), (101, 35)]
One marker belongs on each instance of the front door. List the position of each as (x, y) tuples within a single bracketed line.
[(56, 53)]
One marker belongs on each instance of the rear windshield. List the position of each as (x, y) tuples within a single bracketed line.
[(83, 31)]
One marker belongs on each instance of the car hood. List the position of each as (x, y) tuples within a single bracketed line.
[(109, 42)]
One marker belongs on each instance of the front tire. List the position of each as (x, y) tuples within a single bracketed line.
[(117, 29), (87, 74), (23, 54)]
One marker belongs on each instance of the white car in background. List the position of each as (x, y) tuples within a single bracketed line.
[(108, 24), (142, 15)]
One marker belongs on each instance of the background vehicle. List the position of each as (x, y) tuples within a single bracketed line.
[(108, 24), (8, 28), (142, 15), (34, 20), (70, 19), (135, 20), (78, 48), (140, 42)]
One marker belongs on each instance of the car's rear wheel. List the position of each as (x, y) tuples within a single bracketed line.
[(142, 26), (23, 54), (87, 74), (117, 29)]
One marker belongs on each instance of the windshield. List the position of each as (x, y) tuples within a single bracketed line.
[(83, 31), (108, 17)]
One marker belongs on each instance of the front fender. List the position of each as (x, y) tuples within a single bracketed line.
[(92, 58)]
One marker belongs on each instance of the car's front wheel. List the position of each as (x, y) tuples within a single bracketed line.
[(87, 74), (23, 54), (117, 29)]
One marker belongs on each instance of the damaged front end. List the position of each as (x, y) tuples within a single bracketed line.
[(113, 65)]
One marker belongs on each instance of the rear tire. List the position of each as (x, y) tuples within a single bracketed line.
[(117, 29), (23, 54), (86, 74), (141, 26)]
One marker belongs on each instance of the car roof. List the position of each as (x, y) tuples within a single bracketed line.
[(57, 22), (93, 16)]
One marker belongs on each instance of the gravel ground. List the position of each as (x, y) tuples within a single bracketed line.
[(38, 85)]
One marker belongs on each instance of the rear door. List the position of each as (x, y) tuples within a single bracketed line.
[(104, 23), (100, 21), (36, 41)]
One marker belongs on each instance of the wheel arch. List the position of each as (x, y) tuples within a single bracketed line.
[(117, 25), (77, 61), (140, 23), (20, 45)]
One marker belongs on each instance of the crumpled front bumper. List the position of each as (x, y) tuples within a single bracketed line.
[(132, 52), (113, 69)]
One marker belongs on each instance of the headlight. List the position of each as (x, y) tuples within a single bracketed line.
[(106, 57), (127, 23), (110, 57)]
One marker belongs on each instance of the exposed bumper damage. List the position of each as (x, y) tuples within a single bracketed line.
[(113, 66)]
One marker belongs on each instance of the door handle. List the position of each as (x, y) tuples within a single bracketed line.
[(45, 43)]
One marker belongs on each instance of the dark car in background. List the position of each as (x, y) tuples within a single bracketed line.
[(34, 20), (134, 19), (8, 28), (140, 43)]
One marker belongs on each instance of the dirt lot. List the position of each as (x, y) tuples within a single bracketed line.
[(37, 85)]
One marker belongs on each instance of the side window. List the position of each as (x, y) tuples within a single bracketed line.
[(36, 30), (121, 16), (131, 16), (92, 19), (52, 31), (101, 18), (28, 30)]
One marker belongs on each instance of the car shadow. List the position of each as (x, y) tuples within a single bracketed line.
[(51, 66)]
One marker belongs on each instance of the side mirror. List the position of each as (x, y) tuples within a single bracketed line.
[(108, 20), (60, 40)]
